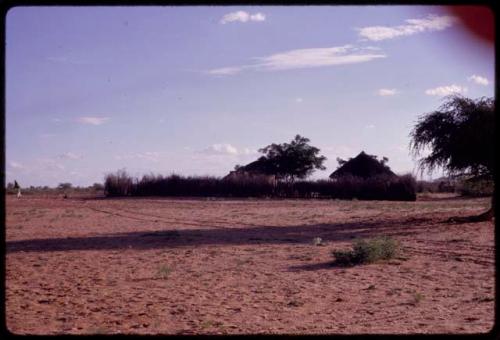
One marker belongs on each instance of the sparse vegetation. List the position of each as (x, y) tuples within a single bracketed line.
[(163, 272), (295, 303), (62, 189), (476, 188), (368, 251), (417, 298)]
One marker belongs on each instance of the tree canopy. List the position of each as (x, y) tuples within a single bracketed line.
[(459, 135), (296, 159)]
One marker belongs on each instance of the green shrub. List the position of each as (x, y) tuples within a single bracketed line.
[(367, 251)]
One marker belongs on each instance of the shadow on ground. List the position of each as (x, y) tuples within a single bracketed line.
[(299, 234)]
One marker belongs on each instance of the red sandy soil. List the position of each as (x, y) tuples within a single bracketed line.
[(198, 266)]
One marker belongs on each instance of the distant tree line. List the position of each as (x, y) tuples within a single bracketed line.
[(61, 188), (289, 164), (376, 188)]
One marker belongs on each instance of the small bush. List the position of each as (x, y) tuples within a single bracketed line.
[(163, 272), (417, 298), (367, 251)]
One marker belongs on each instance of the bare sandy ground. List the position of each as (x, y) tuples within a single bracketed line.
[(185, 266)]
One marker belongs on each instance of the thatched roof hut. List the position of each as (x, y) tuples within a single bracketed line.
[(258, 168), (364, 166)]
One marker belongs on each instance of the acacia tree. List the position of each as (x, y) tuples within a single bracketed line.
[(296, 159), (460, 137)]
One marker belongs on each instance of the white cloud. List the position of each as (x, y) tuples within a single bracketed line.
[(370, 126), (228, 150), (221, 149), (225, 71), (92, 120), (299, 100), (478, 80), (69, 155), (242, 16), (446, 90), (258, 17), (306, 58), (16, 165), (413, 26), (316, 57), (387, 92)]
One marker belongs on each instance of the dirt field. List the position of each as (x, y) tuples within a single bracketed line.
[(244, 266)]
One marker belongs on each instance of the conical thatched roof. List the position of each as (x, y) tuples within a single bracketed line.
[(256, 168), (364, 166), (260, 166)]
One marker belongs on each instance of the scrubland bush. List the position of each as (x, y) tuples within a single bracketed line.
[(476, 188), (118, 184), (436, 186), (367, 251), (376, 188)]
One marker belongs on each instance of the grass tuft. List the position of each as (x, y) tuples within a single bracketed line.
[(163, 272), (417, 298)]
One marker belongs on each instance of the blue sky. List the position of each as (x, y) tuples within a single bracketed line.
[(197, 90)]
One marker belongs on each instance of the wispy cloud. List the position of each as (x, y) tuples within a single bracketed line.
[(442, 91), (48, 164), (299, 100), (69, 155), (412, 26), (387, 92), (306, 58), (316, 57), (242, 16), (226, 71), (92, 120), (152, 156), (478, 80), (16, 165)]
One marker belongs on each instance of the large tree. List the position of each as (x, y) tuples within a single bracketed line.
[(459, 137), (296, 159)]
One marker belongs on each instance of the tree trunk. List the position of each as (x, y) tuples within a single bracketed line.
[(488, 215)]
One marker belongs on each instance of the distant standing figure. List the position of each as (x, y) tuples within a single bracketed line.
[(18, 187)]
